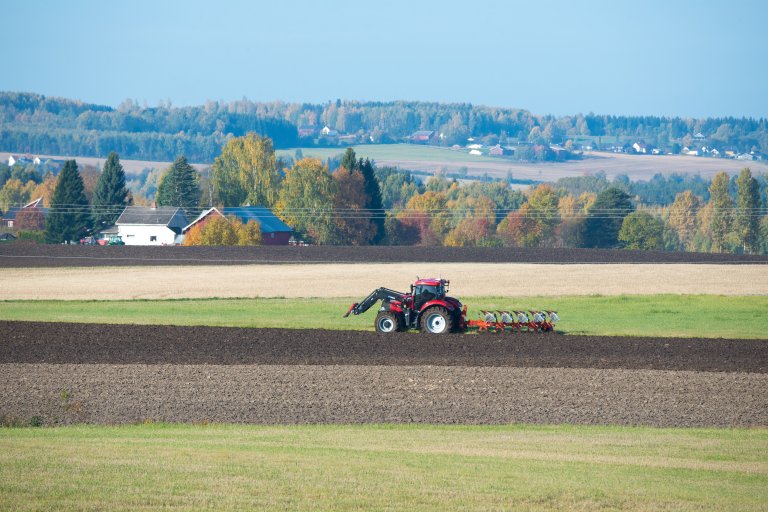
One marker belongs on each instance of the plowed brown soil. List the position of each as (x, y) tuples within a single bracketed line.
[(60, 343), (25, 255), (71, 373)]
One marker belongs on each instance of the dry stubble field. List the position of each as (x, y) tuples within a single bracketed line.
[(358, 279)]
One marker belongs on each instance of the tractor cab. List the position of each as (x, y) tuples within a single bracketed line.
[(425, 290)]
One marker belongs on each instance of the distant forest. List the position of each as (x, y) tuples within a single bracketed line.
[(33, 123)]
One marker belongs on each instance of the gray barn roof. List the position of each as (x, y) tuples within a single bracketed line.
[(170, 216)]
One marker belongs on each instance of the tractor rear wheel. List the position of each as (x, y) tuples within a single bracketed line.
[(436, 320), (387, 321)]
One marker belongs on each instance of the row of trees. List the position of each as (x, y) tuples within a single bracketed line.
[(358, 204), (549, 217), (38, 124)]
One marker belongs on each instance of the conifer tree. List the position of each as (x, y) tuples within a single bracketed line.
[(605, 217), (69, 217), (110, 195), (179, 186), (374, 203)]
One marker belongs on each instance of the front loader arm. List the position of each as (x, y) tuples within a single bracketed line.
[(376, 295)]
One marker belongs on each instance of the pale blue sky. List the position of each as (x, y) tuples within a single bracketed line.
[(673, 57)]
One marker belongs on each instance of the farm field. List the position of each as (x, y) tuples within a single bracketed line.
[(377, 467), (91, 373), (639, 315), (359, 279), (28, 256), (261, 402), (433, 159)]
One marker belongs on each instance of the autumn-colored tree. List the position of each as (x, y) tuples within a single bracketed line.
[(543, 209), (90, 175), (306, 200), (45, 190), (352, 218), (642, 231), (15, 193), (246, 172), (747, 219), (249, 233), (519, 229), (722, 210), (683, 216), (477, 226), (30, 219), (218, 231), (194, 235), (426, 213)]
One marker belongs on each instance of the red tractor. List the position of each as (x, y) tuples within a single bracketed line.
[(426, 307)]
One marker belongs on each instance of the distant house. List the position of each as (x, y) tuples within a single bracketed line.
[(329, 132), (307, 131), (9, 219), (699, 137), (348, 139), (499, 150), (475, 152), (745, 156), (23, 160), (714, 152), (273, 230), (421, 136), (151, 225), (640, 147)]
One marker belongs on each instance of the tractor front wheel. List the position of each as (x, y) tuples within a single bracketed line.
[(387, 321), (436, 320)]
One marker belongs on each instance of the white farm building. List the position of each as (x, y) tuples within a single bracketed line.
[(146, 225)]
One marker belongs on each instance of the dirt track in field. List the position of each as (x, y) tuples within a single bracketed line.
[(70, 373), (358, 279)]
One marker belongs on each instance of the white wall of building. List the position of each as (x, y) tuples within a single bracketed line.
[(136, 234)]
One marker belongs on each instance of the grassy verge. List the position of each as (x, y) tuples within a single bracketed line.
[(377, 467), (649, 315)]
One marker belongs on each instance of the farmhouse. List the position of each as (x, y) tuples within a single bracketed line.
[(421, 136), (10, 217), (151, 225), (329, 132), (273, 230)]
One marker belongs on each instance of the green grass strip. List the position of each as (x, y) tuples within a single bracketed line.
[(642, 315), (382, 467)]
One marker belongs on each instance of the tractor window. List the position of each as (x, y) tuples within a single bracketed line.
[(427, 293)]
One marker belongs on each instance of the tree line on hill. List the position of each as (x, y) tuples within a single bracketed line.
[(359, 204), (33, 123)]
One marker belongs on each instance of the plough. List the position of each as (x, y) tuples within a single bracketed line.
[(427, 307), (501, 321)]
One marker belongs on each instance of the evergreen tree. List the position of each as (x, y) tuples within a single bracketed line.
[(722, 206), (373, 202), (69, 217), (601, 228), (349, 160), (747, 221), (180, 187), (110, 195)]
